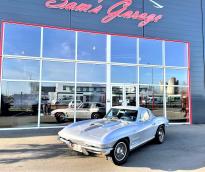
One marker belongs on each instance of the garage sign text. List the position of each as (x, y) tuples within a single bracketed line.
[(119, 9)]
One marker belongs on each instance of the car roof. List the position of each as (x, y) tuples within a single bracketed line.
[(129, 107)]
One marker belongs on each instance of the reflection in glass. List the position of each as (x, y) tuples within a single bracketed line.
[(151, 76), (92, 99), (121, 74), (19, 100), (21, 69), (58, 71), (91, 73), (123, 49), (59, 44), (91, 47), (150, 52), (152, 98), (176, 54), (177, 104), (57, 103), (22, 40), (130, 96), (176, 77), (117, 96), (19, 104)]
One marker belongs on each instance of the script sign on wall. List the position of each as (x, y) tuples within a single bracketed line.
[(119, 9)]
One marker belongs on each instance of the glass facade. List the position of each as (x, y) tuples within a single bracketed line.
[(51, 77)]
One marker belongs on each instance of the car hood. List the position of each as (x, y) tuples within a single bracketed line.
[(92, 130)]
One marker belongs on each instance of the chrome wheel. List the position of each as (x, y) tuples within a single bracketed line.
[(95, 116), (60, 117), (120, 151), (161, 134)]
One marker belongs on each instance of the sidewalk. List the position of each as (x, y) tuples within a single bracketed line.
[(39, 150)]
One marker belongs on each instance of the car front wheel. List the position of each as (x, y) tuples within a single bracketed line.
[(95, 116), (160, 135), (120, 152)]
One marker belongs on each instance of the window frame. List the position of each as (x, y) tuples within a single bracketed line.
[(108, 62)]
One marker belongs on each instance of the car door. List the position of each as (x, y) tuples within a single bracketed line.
[(146, 126), (135, 135), (83, 111), (100, 108)]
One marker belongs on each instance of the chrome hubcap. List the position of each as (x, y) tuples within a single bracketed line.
[(161, 135), (120, 151)]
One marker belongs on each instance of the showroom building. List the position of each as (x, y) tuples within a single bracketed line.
[(64, 61)]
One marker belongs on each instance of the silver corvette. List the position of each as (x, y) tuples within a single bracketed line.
[(119, 132)]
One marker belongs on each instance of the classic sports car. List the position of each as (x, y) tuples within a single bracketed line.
[(119, 132), (88, 110)]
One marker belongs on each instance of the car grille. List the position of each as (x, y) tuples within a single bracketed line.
[(74, 141)]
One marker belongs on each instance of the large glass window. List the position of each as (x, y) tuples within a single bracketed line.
[(176, 54), (117, 96), (91, 47), (177, 104), (123, 49), (22, 40), (130, 93), (176, 77), (21, 69), (104, 64), (58, 71), (124, 95), (19, 104), (57, 103), (150, 52), (152, 98), (151, 76), (91, 73), (59, 44), (91, 99), (122, 74)]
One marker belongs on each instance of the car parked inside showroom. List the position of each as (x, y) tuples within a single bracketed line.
[(119, 132), (88, 110), (71, 104)]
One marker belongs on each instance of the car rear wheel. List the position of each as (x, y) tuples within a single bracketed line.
[(120, 152), (60, 117), (160, 135)]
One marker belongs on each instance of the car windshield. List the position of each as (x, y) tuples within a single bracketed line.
[(122, 114)]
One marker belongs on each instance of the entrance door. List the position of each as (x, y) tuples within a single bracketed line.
[(124, 95)]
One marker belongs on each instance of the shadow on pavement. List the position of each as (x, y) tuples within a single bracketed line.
[(35, 151), (29, 132), (184, 149)]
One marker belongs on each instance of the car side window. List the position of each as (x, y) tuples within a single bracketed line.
[(145, 116), (99, 105), (85, 105)]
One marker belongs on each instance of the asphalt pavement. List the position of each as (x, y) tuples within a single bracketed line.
[(39, 150)]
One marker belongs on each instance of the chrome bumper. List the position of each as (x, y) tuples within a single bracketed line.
[(86, 149)]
